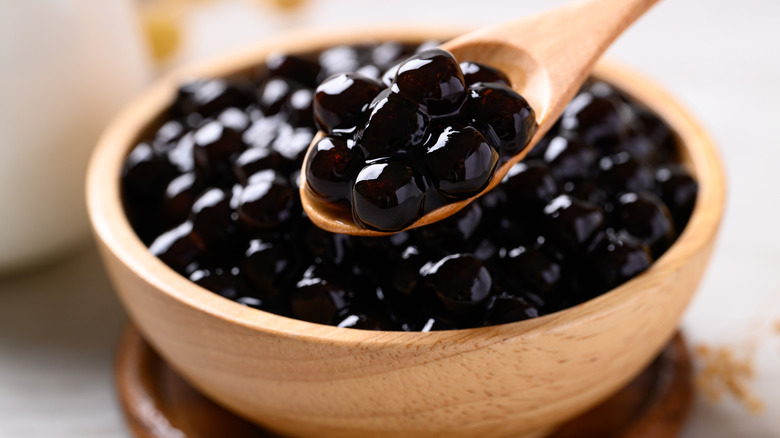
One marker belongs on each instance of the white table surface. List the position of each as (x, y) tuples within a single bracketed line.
[(59, 322)]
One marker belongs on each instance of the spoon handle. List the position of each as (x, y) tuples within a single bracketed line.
[(565, 42)]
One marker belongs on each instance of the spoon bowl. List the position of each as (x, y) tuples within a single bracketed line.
[(547, 58)]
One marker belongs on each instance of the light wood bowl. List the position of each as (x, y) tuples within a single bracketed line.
[(294, 377)]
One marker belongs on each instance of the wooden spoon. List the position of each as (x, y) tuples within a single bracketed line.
[(547, 58)]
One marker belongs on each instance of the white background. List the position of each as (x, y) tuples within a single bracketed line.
[(59, 322)]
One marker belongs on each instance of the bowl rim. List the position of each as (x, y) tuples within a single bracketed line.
[(111, 227)]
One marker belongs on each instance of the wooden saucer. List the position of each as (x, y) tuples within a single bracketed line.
[(159, 404)]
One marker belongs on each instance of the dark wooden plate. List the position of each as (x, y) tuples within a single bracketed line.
[(159, 404)]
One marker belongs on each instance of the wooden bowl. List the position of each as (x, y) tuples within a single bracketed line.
[(294, 377)]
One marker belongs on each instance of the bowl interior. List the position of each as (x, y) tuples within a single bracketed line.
[(146, 113)]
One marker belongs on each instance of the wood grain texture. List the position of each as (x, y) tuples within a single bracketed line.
[(299, 378), (547, 58), (159, 404)]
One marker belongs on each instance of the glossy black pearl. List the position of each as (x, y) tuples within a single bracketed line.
[(209, 97), (274, 93), (168, 134), (394, 124), (176, 247), (461, 162), (342, 101), (485, 249), (318, 298), (214, 147), (529, 184), (569, 159), (499, 111), (530, 269), (406, 272), (146, 173), (299, 108), (588, 191), (266, 265), (292, 144), (266, 201), (234, 118), (678, 190), (571, 222), (455, 231), (331, 248), (387, 196), (178, 199), (331, 166), (618, 257), (262, 132), (596, 120), (433, 79), (637, 144), (622, 173), (646, 217), (507, 307), (255, 159), (658, 134), (180, 154), (212, 219), (460, 282)]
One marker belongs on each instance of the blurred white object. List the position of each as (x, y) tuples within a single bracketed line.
[(66, 66)]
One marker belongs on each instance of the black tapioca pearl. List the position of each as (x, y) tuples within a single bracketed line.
[(274, 92), (176, 247), (387, 195), (569, 159), (623, 173), (394, 124), (646, 217), (433, 79), (460, 283), (255, 159), (210, 96), (342, 101), (616, 258), (214, 148), (333, 164), (508, 115), (572, 223), (266, 201), (508, 307), (461, 162), (678, 190)]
